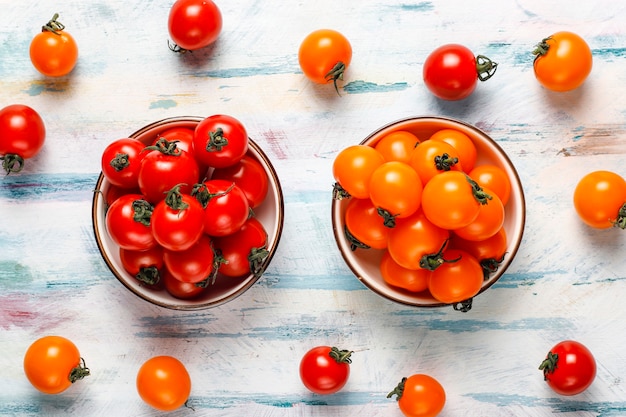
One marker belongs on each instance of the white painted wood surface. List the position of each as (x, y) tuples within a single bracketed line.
[(567, 281)]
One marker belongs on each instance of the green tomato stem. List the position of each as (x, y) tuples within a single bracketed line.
[(340, 356), (12, 163), (398, 390), (79, 372), (336, 73), (53, 25), (485, 67)]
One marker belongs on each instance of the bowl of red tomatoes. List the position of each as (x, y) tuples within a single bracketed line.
[(188, 211), (427, 211)]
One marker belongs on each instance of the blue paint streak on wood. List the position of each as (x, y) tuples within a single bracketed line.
[(326, 281), (423, 6), (270, 69), (360, 87), (163, 104), (63, 187)]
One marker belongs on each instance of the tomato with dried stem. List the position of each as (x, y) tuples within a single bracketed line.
[(54, 51), (324, 56)]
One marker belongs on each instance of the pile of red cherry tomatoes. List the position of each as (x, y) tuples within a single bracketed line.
[(181, 208)]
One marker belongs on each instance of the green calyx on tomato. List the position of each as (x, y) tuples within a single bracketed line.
[(354, 242), (12, 163), (541, 48), (336, 73), (53, 25), (149, 275), (256, 259), (485, 67), (398, 390), (174, 199), (389, 220), (216, 140), (479, 194), (620, 221), (202, 194), (433, 261), (120, 161), (165, 146), (79, 372), (339, 193), (142, 212), (444, 162), (549, 364), (340, 356), (218, 259)]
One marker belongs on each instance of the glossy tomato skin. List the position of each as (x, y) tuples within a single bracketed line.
[(192, 265), (489, 221), (598, 198), (450, 72), (433, 157), (250, 176), (364, 223), (160, 172), (120, 162), (194, 24), (145, 265), (324, 55), (569, 368), (163, 383), (54, 54), (22, 135), (124, 226), (325, 370), (179, 289), (397, 146), (178, 229), (220, 141), (226, 206), (462, 144), (563, 61), (53, 363), (243, 251), (396, 188), (420, 395), (414, 280), (493, 177), (353, 167), (459, 278)]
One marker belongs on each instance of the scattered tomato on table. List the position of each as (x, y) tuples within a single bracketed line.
[(54, 51), (569, 368), (563, 61), (53, 363), (600, 199), (451, 72), (22, 135), (163, 383), (324, 56), (419, 395), (193, 24), (325, 370)]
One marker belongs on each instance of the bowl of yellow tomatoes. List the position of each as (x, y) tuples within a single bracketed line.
[(188, 211), (427, 211)]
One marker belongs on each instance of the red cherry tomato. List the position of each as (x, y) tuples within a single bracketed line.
[(194, 24), (244, 251), (451, 71), (250, 176), (191, 265), (179, 289), (225, 205), (53, 51), (177, 222), (145, 265), (22, 134), (220, 141), (569, 368), (325, 370), (165, 167), (120, 162), (128, 222)]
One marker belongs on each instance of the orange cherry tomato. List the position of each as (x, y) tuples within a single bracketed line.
[(450, 200), (413, 239), (52, 364), (419, 395), (397, 146), (396, 189), (562, 61), (324, 55), (53, 51), (365, 224), (433, 157), (457, 279), (495, 178), (600, 199), (163, 383), (462, 143), (394, 274), (488, 222), (353, 167)]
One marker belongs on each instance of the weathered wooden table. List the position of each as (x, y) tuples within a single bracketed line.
[(567, 281)]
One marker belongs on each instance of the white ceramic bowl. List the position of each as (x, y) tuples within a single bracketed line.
[(270, 213), (364, 263)]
